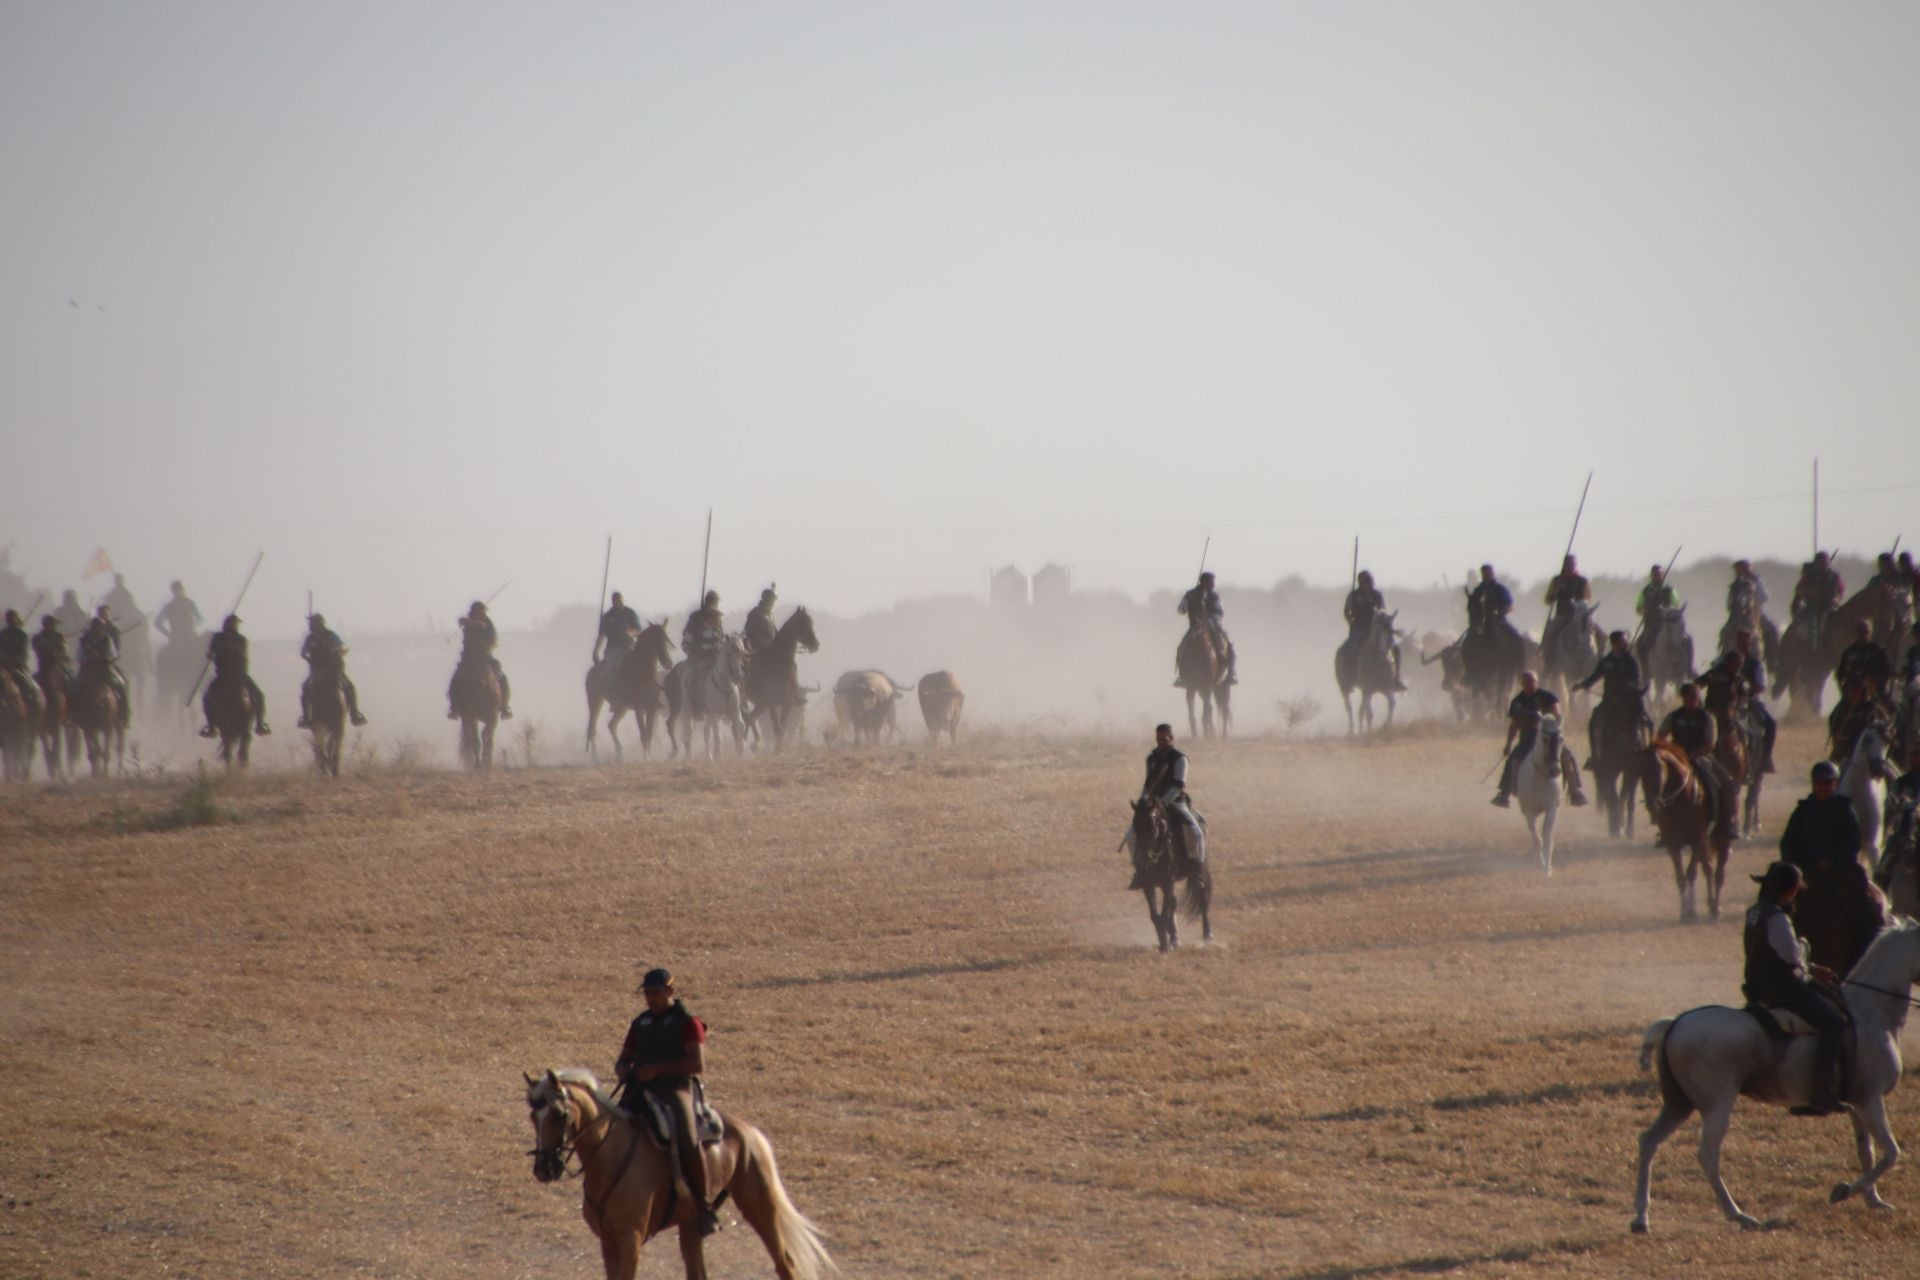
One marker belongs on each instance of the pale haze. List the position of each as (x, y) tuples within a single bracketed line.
[(421, 299)]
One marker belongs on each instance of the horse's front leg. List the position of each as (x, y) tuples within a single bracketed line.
[(1193, 725), (620, 1255), (1153, 914), (693, 1251), (1870, 1124)]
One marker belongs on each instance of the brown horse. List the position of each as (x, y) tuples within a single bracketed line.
[(1365, 665), (19, 729), (1808, 654), (635, 686), (1679, 805), (631, 1190), (101, 717), (228, 703), (1839, 913), (59, 738), (1161, 867), (1202, 663), (327, 717), (772, 686), (477, 702), (1738, 743)]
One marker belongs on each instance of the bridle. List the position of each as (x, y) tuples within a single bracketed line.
[(560, 1159)]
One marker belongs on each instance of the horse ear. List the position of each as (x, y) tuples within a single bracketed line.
[(527, 1078), (552, 1079)]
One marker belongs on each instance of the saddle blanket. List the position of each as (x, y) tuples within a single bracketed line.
[(660, 1120), (1780, 1023)]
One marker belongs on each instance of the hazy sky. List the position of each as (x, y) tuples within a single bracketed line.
[(422, 298)]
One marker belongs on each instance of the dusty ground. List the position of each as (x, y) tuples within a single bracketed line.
[(290, 1044)]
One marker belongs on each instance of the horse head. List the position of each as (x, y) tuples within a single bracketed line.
[(1665, 774), (798, 630), (1870, 752), (554, 1121), (1149, 822)]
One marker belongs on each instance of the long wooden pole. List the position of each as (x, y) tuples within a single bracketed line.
[(1816, 506), (1204, 548), (705, 555), (1577, 513), (258, 557), (606, 566), (1353, 574)]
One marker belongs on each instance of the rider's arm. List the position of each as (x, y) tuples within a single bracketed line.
[(1786, 944), (691, 1063)]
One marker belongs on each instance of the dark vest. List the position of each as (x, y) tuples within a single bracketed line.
[(1691, 728), (1160, 766), (1769, 979), (658, 1038)]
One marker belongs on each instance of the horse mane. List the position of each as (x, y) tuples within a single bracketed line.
[(585, 1079), (1670, 751)]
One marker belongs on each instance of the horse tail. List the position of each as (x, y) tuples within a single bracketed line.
[(1655, 1042), (795, 1243), (1199, 893)]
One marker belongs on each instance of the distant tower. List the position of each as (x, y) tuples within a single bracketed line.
[(1051, 586), (1007, 589)]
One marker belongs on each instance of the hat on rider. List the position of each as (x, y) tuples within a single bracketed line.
[(1616, 637), (767, 596), (659, 979), (230, 622), (711, 599), (315, 621), (1206, 579), (476, 607), (1825, 771), (13, 617), (1779, 878)]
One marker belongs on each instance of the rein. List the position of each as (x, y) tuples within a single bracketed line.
[(1905, 997)]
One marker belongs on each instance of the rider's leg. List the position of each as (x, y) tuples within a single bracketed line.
[(1520, 748), (452, 713), (1572, 771), (506, 691), (306, 705), (686, 1145), (1233, 658), (1823, 1095), (353, 700), (1768, 728), (259, 708)]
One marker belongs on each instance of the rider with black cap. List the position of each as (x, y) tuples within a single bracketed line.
[(1778, 972), (666, 1047)]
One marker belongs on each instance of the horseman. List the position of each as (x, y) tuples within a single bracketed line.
[(325, 654), (73, 620), (1202, 608), (1850, 718), (1489, 603), (1166, 782), (1690, 727), (1568, 590), (1746, 600), (478, 639), (759, 630), (705, 632), (1738, 673), (227, 649), (179, 616), (52, 658), (1865, 661), (665, 1050), (619, 628), (1818, 593), (126, 612), (1886, 573), (1622, 697), (15, 648), (1523, 725), (1823, 839), (100, 651), (1656, 597), (1777, 973), (1365, 604)]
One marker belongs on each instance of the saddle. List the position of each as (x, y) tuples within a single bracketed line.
[(659, 1119), (1784, 1026)]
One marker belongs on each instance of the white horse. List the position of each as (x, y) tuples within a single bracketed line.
[(1709, 1057), (709, 692), (1667, 656), (1864, 781), (1538, 790), (1570, 652)]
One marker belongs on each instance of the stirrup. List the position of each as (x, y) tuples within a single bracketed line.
[(357, 719), (506, 713), (1501, 801)]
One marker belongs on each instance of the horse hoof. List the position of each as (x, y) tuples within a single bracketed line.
[(1748, 1222), (1839, 1193), (1638, 1226)]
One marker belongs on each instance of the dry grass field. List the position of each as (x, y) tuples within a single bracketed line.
[(290, 1044)]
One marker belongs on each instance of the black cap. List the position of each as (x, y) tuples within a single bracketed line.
[(661, 978)]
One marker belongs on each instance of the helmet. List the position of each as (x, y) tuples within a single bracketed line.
[(657, 979), (711, 599), (1825, 771)]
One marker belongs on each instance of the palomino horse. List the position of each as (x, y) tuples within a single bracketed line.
[(1863, 780), (1619, 734), (19, 730), (101, 717), (631, 1189), (1162, 866), (1683, 812), (1568, 651), (1707, 1058), (1202, 663), (772, 684), (1536, 785), (228, 703), (1738, 745), (1666, 654), (327, 718), (1366, 666), (631, 684), (707, 691), (477, 703)]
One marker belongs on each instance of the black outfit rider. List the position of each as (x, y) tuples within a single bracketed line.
[(1488, 602), (668, 1037), (228, 651), (325, 652), (1695, 732), (1867, 661), (1776, 974), (1621, 693), (1523, 714), (618, 627), (478, 640)]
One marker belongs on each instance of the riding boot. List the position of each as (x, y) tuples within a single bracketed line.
[(1506, 782), (1823, 1099), (353, 703), (506, 693), (1233, 664), (306, 709), (1572, 773), (259, 709)]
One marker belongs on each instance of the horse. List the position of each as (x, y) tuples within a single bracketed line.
[(101, 717), (1738, 745), (19, 730), (1810, 648), (707, 691), (1863, 780), (631, 684), (1201, 660), (1568, 653), (631, 1189), (1766, 639), (1365, 665), (1536, 784), (228, 703), (476, 702), (327, 717), (175, 668), (1708, 1058), (1163, 866), (1615, 766), (1492, 655), (1898, 870), (58, 736), (772, 684), (1683, 813), (1666, 653)]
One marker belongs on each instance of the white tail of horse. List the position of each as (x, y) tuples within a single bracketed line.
[(800, 1246)]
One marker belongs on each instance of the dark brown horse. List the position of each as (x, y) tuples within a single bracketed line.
[(1809, 655), (1161, 866), (228, 703), (477, 702), (59, 738), (1679, 804), (101, 717), (1619, 736), (1738, 744), (633, 684), (1839, 912), (772, 685), (1364, 664), (1202, 663), (327, 717), (19, 729)]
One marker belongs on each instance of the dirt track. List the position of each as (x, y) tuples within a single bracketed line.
[(290, 1045)]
